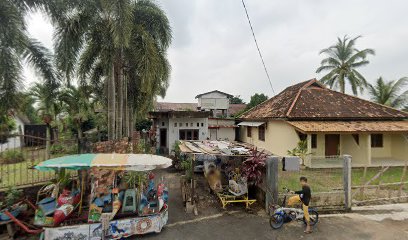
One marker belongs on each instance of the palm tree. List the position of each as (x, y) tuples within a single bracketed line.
[(342, 61), (78, 105), (16, 47), (389, 93), (46, 97), (120, 46)]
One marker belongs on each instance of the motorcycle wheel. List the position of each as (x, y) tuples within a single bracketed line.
[(276, 221), (314, 217)]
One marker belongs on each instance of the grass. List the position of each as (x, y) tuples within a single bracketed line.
[(325, 180), (23, 173)]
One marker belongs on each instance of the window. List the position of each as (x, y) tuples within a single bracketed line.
[(261, 133), (314, 140), (175, 124), (302, 136), (376, 140), (163, 124), (249, 131), (186, 124), (191, 124), (198, 124), (202, 124), (188, 134), (356, 138)]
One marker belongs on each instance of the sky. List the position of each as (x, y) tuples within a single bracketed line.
[(213, 47)]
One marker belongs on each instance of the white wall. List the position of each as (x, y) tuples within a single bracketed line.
[(213, 100), (173, 132), (14, 142)]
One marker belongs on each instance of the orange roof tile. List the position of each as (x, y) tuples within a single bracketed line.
[(350, 126)]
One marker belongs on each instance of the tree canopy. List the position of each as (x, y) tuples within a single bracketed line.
[(236, 100), (342, 61), (392, 93), (256, 99)]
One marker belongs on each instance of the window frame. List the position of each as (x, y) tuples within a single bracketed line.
[(313, 141), (377, 140), (261, 133), (249, 131)]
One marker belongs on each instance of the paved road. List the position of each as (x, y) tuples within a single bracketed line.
[(248, 226), (380, 222)]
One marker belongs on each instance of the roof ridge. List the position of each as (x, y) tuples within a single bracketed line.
[(309, 83)]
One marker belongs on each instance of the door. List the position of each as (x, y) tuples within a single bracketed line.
[(163, 137), (332, 144)]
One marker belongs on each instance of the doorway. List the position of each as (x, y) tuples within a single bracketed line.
[(163, 137), (332, 144)]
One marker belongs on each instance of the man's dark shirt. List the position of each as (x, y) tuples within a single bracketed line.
[(305, 194)]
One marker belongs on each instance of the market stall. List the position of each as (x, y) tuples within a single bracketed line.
[(221, 162), (116, 196)]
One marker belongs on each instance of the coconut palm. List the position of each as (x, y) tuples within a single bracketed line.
[(392, 93), (121, 47), (17, 47), (341, 62)]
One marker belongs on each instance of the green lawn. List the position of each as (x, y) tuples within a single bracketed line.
[(23, 173), (324, 180)]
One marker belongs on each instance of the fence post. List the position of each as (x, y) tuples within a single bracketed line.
[(271, 181), (347, 181)]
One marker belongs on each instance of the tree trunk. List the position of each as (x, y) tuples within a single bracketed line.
[(120, 101), (111, 105), (48, 141), (126, 109)]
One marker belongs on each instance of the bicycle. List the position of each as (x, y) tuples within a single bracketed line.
[(283, 214)]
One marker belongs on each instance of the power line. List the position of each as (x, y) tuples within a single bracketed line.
[(256, 43)]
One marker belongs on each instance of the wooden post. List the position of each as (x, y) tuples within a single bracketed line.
[(404, 172), (271, 181), (347, 181)]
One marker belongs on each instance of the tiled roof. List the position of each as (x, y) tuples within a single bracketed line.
[(311, 100), (350, 126)]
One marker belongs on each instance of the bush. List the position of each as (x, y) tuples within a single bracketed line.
[(11, 156), (64, 149)]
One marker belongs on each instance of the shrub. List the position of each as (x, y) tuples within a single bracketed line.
[(12, 195), (11, 156), (252, 167), (56, 148)]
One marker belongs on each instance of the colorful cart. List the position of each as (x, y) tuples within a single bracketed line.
[(115, 209)]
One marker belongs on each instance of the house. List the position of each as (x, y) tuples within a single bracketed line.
[(332, 123), (16, 141), (171, 126), (214, 101), (208, 118)]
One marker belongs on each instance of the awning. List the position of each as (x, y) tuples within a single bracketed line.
[(251, 124), (350, 126), (222, 126)]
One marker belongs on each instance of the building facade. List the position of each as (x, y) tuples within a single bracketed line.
[(332, 123)]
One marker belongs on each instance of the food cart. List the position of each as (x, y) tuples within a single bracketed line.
[(111, 208)]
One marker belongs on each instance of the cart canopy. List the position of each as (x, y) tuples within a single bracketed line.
[(128, 162)]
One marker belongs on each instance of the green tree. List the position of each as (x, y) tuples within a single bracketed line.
[(78, 104), (46, 97), (119, 46), (256, 99), (17, 47), (341, 62), (26, 106), (392, 93), (236, 100)]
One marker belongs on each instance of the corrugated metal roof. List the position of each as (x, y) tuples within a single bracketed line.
[(251, 124), (350, 126)]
